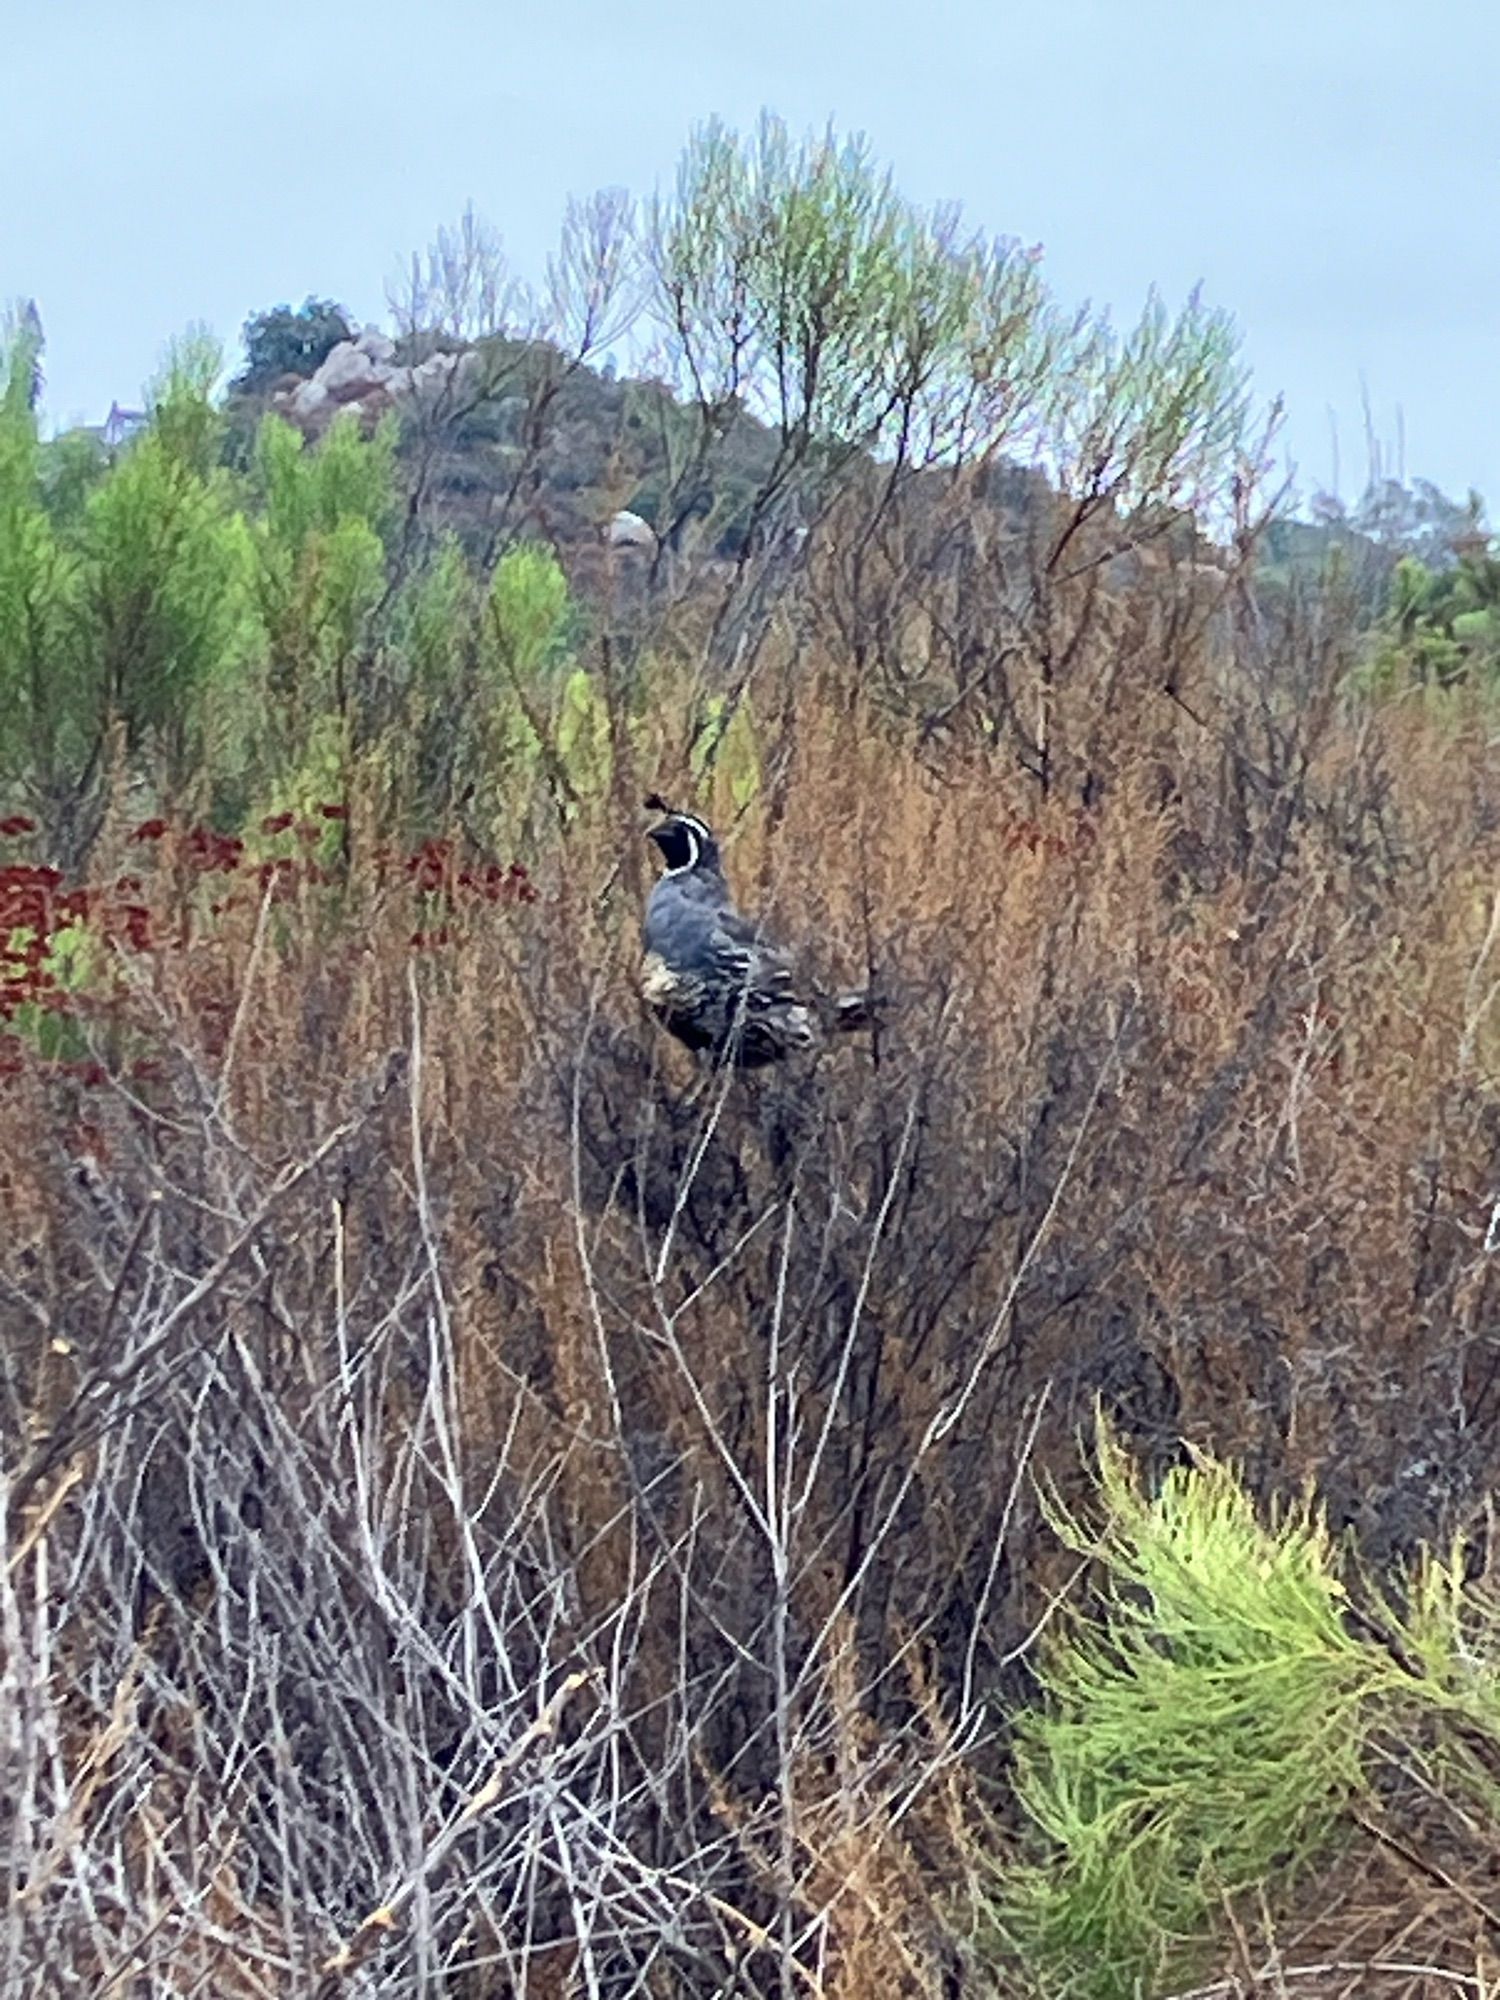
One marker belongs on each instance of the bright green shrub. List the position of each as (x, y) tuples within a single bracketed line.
[(1205, 1730)]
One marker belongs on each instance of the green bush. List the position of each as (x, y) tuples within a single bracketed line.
[(1206, 1728)]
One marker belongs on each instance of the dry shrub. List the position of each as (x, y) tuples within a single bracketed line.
[(419, 1330)]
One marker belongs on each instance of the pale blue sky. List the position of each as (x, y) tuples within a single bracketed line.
[(1330, 171)]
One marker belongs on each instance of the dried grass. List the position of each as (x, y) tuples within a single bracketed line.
[(415, 1338)]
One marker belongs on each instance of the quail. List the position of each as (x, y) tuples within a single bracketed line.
[(708, 974)]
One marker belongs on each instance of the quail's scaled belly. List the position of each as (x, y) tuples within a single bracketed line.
[(659, 984), (677, 1001)]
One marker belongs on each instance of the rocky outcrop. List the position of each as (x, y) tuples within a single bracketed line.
[(364, 375)]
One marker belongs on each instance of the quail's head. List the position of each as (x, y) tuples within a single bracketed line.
[(686, 842)]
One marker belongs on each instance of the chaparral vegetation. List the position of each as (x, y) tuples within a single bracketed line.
[(488, 1506)]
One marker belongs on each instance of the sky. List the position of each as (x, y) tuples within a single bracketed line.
[(1329, 172)]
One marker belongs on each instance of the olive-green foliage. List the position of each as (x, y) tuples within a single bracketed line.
[(494, 700), (793, 277), (1155, 417), (528, 605), (793, 274), (122, 593), (265, 637), (545, 717), (583, 735), (184, 415), (1206, 1726), (43, 714), (71, 466), (435, 634), (1442, 626), (321, 572), (281, 341), (165, 573), (214, 630), (727, 745), (310, 490)]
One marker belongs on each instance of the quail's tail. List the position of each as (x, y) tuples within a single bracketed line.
[(860, 1008)]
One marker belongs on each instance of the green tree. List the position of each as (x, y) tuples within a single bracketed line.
[(48, 735), (793, 280), (320, 575), (281, 341), (123, 601), (1442, 624), (884, 345)]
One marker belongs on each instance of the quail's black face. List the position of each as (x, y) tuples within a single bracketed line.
[(685, 842)]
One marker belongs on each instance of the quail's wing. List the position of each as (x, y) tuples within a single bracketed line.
[(744, 956)]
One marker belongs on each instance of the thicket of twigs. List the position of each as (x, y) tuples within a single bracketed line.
[(487, 1510), (406, 1340)]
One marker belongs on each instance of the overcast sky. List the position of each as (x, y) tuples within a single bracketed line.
[(1330, 171)]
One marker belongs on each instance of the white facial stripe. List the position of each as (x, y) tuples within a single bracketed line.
[(697, 835)]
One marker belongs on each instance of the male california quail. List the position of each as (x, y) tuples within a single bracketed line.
[(707, 973)]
